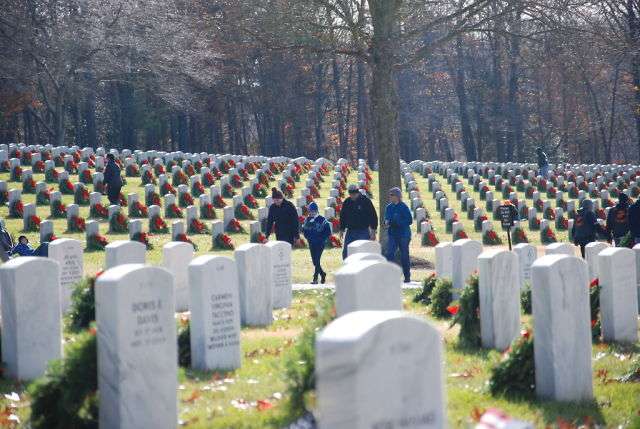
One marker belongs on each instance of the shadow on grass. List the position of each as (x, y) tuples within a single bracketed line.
[(470, 350)]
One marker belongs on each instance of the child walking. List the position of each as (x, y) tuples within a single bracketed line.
[(316, 230)]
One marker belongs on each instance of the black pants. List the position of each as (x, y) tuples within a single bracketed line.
[(286, 237), (316, 255), (113, 193)]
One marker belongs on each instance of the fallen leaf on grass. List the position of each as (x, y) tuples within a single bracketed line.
[(476, 414), (264, 404), (192, 398)]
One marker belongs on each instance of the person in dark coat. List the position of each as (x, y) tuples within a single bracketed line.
[(317, 231), (633, 215), (397, 220), (585, 226), (617, 220), (358, 217), (284, 216), (112, 179), (543, 162)]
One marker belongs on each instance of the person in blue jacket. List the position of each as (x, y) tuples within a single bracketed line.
[(23, 248), (316, 230), (397, 220)]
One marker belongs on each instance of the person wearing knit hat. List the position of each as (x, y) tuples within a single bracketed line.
[(283, 218), (617, 220), (397, 220), (316, 230), (358, 218)]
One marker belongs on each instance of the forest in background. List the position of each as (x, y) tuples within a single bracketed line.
[(474, 80)]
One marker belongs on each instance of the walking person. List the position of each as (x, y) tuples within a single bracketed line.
[(585, 226), (397, 220), (633, 216), (358, 217), (543, 163), (112, 179), (317, 231), (617, 220), (284, 217)]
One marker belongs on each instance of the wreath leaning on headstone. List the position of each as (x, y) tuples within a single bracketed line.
[(515, 374), (467, 313), (441, 298)]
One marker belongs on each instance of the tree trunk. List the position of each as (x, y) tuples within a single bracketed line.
[(384, 97), (515, 117), (633, 19), (318, 107), (362, 110), (465, 124), (337, 91)]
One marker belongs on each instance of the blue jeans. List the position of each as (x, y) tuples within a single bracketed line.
[(402, 243), (316, 254), (544, 171), (353, 235)]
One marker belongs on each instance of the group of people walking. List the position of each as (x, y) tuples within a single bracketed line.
[(623, 218), (358, 221)]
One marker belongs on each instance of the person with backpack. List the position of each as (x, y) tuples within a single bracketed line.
[(112, 180), (585, 226), (397, 220), (617, 220), (316, 230)]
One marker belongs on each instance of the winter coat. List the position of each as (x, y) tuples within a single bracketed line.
[(358, 214), (316, 230), (22, 250), (112, 175), (285, 218), (542, 159), (398, 217), (618, 221), (585, 227), (633, 216)]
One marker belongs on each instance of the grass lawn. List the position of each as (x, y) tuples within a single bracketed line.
[(255, 396)]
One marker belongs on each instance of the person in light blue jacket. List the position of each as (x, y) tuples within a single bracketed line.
[(397, 220), (317, 231)]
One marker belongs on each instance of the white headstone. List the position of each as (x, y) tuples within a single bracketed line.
[(464, 257), (137, 348), (527, 254), (124, 252), (444, 259), (68, 253), (591, 252), (379, 369), (256, 294), (368, 285), (562, 323), (560, 249), (31, 317), (176, 256), (618, 295), (280, 257), (363, 246), (215, 313), (499, 293)]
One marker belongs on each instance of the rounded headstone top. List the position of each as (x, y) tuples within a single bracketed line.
[(356, 257), (25, 261)]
